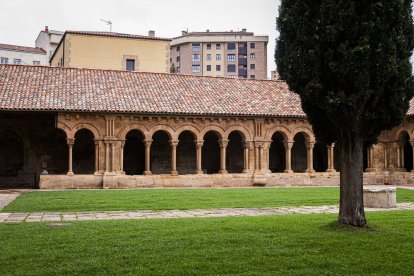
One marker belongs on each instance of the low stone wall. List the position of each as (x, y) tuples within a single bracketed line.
[(399, 178), (81, 181)]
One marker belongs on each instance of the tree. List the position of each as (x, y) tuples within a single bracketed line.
[(349, 62)]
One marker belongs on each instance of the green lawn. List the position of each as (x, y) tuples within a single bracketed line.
[(167, 199), (269, 245)]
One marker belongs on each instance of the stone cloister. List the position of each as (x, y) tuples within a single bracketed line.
[(80, 139)]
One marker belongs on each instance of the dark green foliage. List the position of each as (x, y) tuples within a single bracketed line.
[(349, 62)]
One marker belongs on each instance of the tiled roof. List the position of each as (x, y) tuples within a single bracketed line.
[(411, 108), (22, 48), (40, 88), (112, 34)]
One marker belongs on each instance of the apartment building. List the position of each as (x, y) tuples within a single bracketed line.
[(230, 54), (48, 40), (22, 55), (113, 51)]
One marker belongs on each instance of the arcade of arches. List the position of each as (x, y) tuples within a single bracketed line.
[(85, 150)]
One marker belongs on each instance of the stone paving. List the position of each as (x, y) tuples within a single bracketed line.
[(198, 213)]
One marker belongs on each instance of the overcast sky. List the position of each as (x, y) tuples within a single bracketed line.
[(21, 20)]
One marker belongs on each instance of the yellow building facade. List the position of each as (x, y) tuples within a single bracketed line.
[(113, 51)]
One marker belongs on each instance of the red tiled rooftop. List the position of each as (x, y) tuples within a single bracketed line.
[(112, 34), (22, 48), (38, 88)]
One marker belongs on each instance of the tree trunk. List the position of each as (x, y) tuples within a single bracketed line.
[(351, 208)]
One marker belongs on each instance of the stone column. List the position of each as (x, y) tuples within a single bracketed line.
[(265, 157), (247, 145), (112, 156), (147, 143), (107, 168), (309, 147), (370, 161), (331, 167), (174, 144), (288, 161), (121, 158), (199, 147), (96, 156), (223, 146), (70, 146)]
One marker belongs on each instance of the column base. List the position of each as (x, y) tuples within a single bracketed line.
[(174, 173), (223, 171), (98, 173), (147, 173), (70, 174), (369, 170), (288, 171), (330, 170), (109, 173), (310, 171), (245, 171), (199, 172)]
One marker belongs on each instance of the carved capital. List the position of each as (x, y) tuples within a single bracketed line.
[(248, 145), (288, 145), (310, 145), (70, 141), (199, 143), (147, 142), (223, 143), (174, 143)]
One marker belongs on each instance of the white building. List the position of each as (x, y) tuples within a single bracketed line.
[(14, 54), (48, 40)]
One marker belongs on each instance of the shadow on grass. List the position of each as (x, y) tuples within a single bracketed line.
[(335, 226)]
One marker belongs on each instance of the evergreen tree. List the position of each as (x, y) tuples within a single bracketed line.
[(350, 63)]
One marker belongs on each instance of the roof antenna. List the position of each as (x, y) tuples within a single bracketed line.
[(108, 22)]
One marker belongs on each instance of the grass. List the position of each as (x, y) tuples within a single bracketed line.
[(167, 199), (271, 245)]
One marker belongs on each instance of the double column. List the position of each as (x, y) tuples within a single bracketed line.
[(400, 156), (309, 156), (331, 167), (71, 142), (223, 146), (199, 146)]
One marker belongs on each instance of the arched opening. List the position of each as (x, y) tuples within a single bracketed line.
[(11, 153), (186, 153), (160, 153), (337, 157), (407, 151), (58, 162), (277, 153), (211, 153), (134, 153), (299, 154), (235, 153), (84, 152), (320, 157)]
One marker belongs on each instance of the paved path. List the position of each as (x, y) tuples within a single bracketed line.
[(199, 213), (7, 197)]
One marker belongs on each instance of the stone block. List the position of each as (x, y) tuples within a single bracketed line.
[(380, 197)]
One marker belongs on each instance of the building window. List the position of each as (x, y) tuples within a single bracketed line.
[(218, 46), (218, 67), (178, 69), (178, 59), (231, 76), (218, 56), (130, 64), (252, 45), (195, 68), (231, 68), (195, 57), (17, 61), (208, 46), (231, 46), (196, 47), (209, 68), (252, 77), (208, 56), (36, 62), (252, 66), (4, 60), (231, 57), (178, 48), (252, 56)]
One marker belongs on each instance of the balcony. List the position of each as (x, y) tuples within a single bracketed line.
[(242, 51), (242, 61), (243, 72)]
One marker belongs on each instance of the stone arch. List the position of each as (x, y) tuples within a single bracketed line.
[(245, 133), (235, 152), (21, 132), (211, 152), (299, 152), (406, 150), (12, 153), (84, 151), (91, 128), (186, 152), (165, 128), (160, 152), (195, 131), (308, 134), (134, 152), (65, 128), (284, 131), (277, 152), (400, 131), (216, 129), (320, 157), (123, 132)]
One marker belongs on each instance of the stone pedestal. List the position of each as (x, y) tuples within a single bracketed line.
[(380, 197)]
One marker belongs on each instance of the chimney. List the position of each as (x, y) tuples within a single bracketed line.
[(46, 29), (244, 30), (151, 33), (184, 32), (207, 31)]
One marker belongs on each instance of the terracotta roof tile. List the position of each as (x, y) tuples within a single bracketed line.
[(67, 89), (22, 48), (112, 34)]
